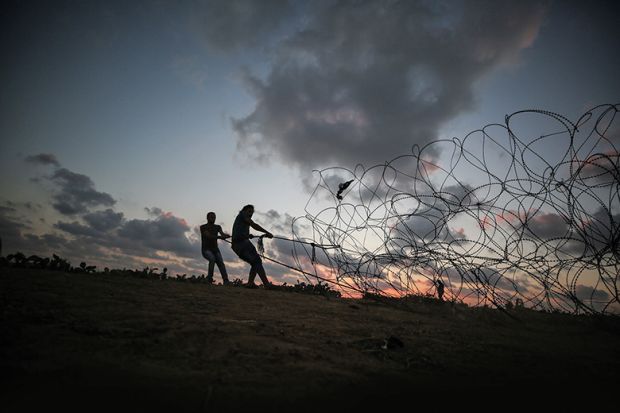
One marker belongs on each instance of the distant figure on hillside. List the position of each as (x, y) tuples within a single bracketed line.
[(440, 288), (209, 234), (244, 248)]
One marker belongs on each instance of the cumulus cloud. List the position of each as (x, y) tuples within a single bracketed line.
[(107, 232), (77, 193), (364, 81), (104, 220), (166, 233), (102, 237), (96, 233)]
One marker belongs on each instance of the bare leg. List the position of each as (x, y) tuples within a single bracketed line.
[(252, 275), (220, 265), (261, 273)]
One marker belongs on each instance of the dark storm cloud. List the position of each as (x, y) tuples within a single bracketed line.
[(43, 159), (234, 24), (364, 81), (77, 193)]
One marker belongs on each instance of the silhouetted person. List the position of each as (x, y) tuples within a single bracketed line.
[(209, 234), (440, 288), (244, 248)]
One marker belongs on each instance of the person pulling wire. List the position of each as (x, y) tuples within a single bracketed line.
[(243, 247)]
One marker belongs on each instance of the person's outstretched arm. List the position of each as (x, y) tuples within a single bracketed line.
[(261, 229)]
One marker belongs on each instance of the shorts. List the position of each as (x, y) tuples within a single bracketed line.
[(246, 251)]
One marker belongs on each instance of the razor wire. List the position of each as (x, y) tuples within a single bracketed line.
[(526, 212)]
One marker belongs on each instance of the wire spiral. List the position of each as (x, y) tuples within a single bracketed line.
[(526, 212)]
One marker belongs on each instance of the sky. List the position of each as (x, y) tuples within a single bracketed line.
[(123, 123)]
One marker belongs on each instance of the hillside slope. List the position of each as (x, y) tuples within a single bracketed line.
[(76, 340)]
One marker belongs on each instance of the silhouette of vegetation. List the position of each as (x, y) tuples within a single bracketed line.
[(19, 260), (427, 300), (308, 288)]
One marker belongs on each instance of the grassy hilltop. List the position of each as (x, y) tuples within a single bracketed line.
[(87, 341)]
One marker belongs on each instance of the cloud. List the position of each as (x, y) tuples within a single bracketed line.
[(362, 83), (595, 233), (75, 228), (276, 222), (601, 168), (106, 238), (101, 236), (77, 193), (43, 159), (106, 233), (15, 236), (154, 211), (548, 225), (162, 232), (431, 220), (234, 24), (104, 220), (585, 292), (166, 233), (602, 232)]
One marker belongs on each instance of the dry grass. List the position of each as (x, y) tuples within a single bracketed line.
[(106, 341)]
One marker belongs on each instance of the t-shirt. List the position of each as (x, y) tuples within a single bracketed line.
[(241, 229), (211, 230)]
